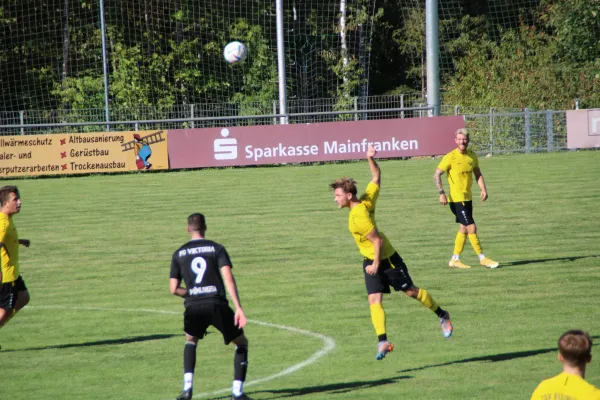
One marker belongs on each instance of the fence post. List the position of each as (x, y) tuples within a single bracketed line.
[(356, 108), (192, 115), (550, 130), (22, 120), (527, 132), (402, 105), (491, 130), (274, 112), (137, 126), (456, 110)]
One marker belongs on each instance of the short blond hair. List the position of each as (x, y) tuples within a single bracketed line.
[(461, 131)]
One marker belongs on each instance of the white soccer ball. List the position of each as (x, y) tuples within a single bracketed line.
[(235, 52)]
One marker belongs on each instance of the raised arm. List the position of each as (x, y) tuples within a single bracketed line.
[(375, 171), (231, 287), (481, 183), (437, 178)]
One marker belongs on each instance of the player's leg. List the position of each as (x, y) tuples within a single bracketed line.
[(224, 321), (471, 229), (460, 240), (195, 322), (377, 285), (240, 367), (400, 280), (8, 301)]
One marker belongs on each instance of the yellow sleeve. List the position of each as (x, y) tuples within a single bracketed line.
[(3, 229), (444, 165), (361, 222), (369, 198), (475, 160), (537, 394)]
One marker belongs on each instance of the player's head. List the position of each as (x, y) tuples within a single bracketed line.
[(575, 348), (137, 137), (197, 223), (344, 190), (10, 200), (461, 138)]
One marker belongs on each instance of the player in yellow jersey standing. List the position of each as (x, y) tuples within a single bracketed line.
[(382, 265), (13, 292), (461, 164), (574, 352)]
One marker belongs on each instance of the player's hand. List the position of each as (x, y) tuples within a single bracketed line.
[(371, 151), (443, 199), (483, 195), (240, 319), (371, 270), (137, 158), (25, 242)]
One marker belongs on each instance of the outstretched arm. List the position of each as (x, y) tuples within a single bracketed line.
[(375, 171), (481, 183), (229, 281), (437, 178)]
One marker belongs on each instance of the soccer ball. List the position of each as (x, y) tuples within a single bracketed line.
[(235, 52)]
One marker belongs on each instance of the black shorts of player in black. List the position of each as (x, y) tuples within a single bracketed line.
[(463, 210), (392, 272), (9, 293), (198, 317)]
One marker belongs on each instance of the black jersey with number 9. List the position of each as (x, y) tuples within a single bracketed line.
[(198, 264)]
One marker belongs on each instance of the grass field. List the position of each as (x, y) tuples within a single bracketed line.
[(103, 325)]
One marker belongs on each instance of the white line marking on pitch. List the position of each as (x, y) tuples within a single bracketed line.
[(328, 342)]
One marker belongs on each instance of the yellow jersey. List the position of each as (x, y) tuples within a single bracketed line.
[(565, 387), (9, 253), (361, 221), (459, 168)]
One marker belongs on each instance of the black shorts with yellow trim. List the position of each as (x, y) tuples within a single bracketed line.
[(9, 293), (463, 210), (392, 272)]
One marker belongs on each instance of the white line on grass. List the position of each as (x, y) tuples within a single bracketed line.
[(328, 342)]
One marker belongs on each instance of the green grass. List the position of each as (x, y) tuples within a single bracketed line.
[(101, 247)]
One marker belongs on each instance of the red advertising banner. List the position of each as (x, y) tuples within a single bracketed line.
[(329, 141), (583, 129)]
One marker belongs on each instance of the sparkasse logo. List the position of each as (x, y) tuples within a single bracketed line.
[(225, 148)]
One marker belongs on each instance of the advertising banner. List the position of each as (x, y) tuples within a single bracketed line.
[(583, 129), (82, 153), (330, 141)]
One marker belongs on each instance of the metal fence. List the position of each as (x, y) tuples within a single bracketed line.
[(492, 130)]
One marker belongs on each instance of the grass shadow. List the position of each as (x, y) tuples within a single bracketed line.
[(543, 260), (492, 358), (332, 388), (126, 340)]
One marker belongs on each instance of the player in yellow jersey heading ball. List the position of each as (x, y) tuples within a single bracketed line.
[(461, 164), (382, 266)]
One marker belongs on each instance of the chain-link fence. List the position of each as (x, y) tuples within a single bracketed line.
[(492, 130)]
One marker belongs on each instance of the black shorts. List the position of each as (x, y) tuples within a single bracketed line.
[(9, 293), (198, 317), (463, 210), (392, 272)]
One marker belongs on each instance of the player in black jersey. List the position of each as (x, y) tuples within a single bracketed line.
[(205, 268)]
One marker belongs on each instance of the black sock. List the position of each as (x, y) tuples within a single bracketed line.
[(240, 363), (382, 338), (189, 357), (440, 312)]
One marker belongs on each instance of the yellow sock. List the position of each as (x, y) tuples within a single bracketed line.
[(475, 243), (427, 300), (378, 318), (459, 243)]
